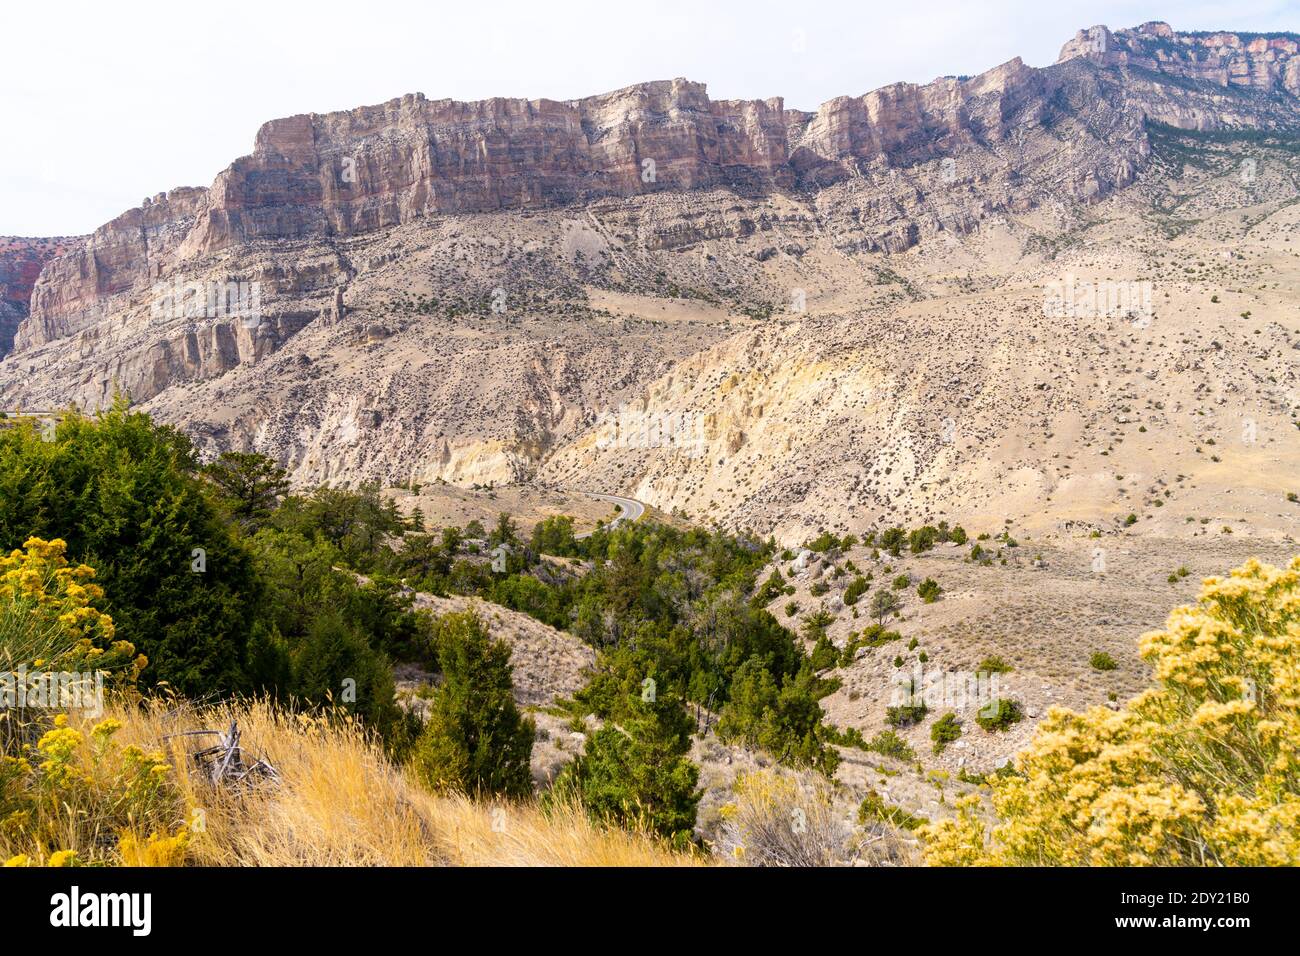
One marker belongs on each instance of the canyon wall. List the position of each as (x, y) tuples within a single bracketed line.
[(356, 171), (1266, 63)]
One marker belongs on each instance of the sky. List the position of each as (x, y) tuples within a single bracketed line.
[(107, 103)]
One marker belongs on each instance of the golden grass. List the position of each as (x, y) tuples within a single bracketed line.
[(341, 802)]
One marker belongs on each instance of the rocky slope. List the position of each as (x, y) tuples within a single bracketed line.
[(969, 398), (427, 289)]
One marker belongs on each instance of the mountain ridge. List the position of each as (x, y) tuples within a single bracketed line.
[(357, 171), (402, 344)]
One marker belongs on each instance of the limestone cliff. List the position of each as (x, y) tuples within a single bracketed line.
[(21, 261)]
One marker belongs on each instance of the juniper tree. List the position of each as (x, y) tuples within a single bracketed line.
[(475, 740), (636, 773), (248, 485)]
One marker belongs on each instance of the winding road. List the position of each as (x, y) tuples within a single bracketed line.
[(629, 509)]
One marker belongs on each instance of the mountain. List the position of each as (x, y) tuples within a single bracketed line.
[(21, 261), (847, 306)]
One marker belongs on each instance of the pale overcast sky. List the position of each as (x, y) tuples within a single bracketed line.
[(105, 103)]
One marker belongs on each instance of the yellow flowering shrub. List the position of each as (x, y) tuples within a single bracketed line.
[(77, 796), (47, 618), (1201, 769), (70, 794), (160, 848)]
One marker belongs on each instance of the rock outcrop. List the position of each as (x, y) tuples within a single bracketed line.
[(21, 261), (1264, 62)]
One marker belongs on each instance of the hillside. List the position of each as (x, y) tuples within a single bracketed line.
[(429, 289)]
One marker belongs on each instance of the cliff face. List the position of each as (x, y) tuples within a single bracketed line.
[(21, 262), (1266, 63), (353, 172), (346, 173), (655, 191)]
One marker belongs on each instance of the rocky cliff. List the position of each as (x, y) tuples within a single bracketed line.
[(21, 262), (1264, 62), (652, 193), (357, 171)]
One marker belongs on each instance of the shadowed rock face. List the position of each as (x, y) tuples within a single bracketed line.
[(21, 261)]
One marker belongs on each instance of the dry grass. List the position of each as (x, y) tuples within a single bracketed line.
[(340, 802), (786, 819)]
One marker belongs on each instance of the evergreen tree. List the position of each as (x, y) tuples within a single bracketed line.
[(250, 486), (475, 739), (554, 535), (637, 774), (893, 540), (335, 662), (883, 604), (356, 523), (505, 532), (125, 495)]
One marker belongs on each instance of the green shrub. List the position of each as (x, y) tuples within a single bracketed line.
[(944, 731), (922, 539), (1101, 661), (993, 665), (857, 587), (875, 809), (127, 497), (1004, 713), (772, 589), (782, 719), (554, 535), (824, 654), (893, 541), (474, 740), (889, 744), (905, 715), (636, 774)]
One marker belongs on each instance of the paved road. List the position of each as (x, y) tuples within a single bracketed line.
[(629, 509)]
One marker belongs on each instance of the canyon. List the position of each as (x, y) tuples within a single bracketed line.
[(846, 303)]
